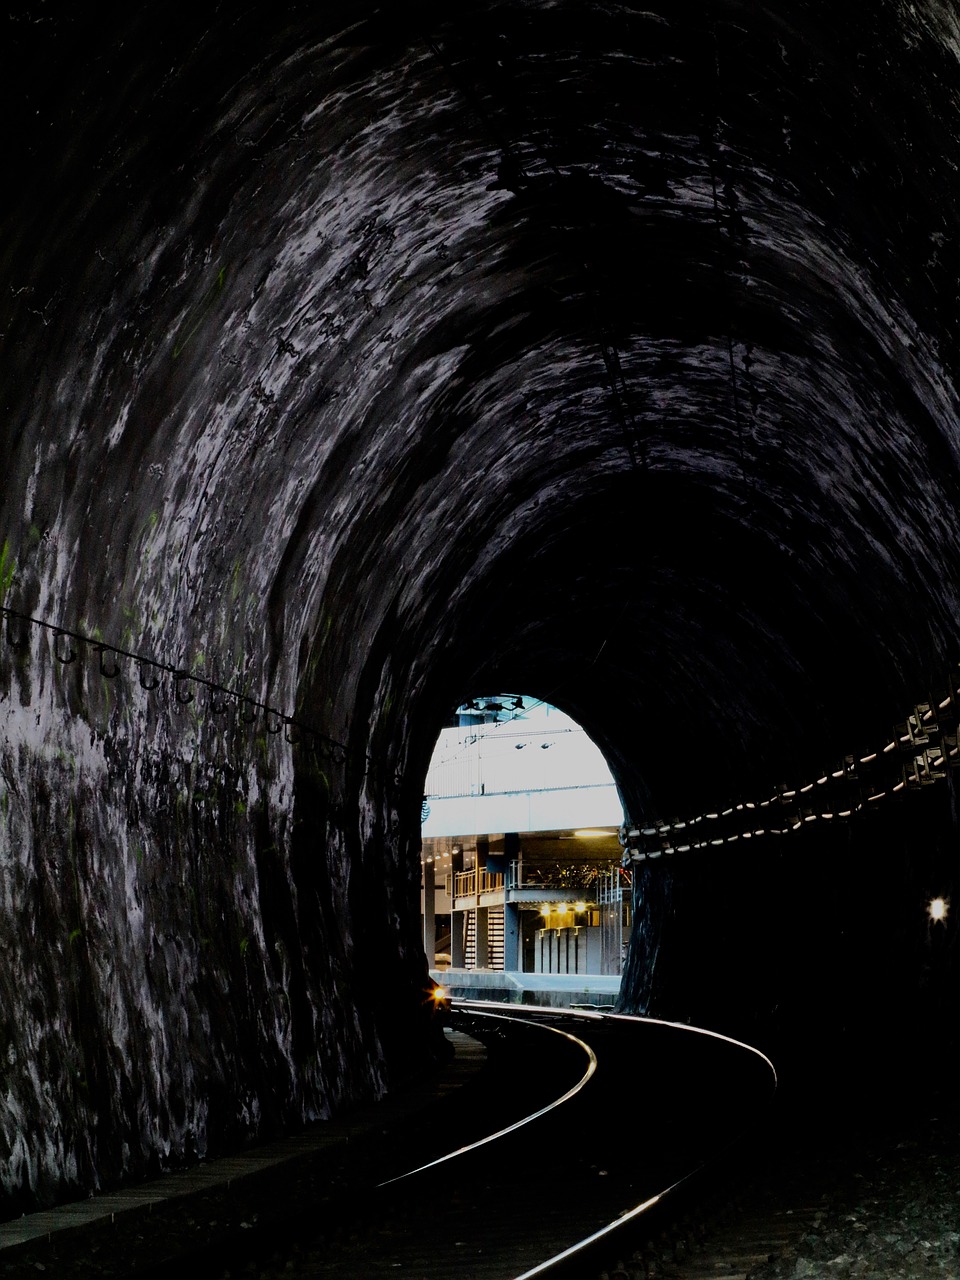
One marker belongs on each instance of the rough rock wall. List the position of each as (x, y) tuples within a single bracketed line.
[(365, 360)]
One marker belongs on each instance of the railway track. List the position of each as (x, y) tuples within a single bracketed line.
[(744, 1213), (574, 1151), (635, 1108)]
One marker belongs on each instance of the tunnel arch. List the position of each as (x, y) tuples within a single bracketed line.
[(359, 359)]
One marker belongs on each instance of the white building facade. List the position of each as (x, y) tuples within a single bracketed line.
[(521, 858)]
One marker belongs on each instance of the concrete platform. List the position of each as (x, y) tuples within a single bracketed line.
[(552, 990)]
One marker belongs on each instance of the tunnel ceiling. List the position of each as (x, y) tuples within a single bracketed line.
[(388, 355)]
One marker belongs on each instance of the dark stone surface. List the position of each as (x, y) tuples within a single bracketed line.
[(892, 1212), (367, 358)]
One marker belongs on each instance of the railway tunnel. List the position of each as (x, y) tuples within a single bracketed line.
[(362, 359)]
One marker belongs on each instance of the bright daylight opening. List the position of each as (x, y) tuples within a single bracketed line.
[(523, 887)]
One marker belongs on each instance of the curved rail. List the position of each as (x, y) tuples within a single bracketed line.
[(581, 1247), (524, 1120)]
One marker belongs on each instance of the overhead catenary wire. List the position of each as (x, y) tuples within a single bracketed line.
[(725, 240), (513, 175)]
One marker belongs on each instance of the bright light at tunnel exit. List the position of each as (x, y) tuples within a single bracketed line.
[(479, 783), (938, 909)]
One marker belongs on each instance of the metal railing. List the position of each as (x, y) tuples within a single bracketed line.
[(470, 884)]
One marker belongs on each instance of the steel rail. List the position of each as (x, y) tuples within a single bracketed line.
[(524, 1120), (580, 1247)]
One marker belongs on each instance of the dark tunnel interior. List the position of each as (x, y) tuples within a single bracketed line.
[(359, 359)]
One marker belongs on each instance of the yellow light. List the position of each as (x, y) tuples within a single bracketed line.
[(544, 911), (590, 833), (938, 909), (579, 906), (562, 908), (439, 994)]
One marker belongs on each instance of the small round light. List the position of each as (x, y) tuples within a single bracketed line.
[(938, 909)]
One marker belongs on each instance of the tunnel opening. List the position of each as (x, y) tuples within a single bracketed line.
[(520, 854)]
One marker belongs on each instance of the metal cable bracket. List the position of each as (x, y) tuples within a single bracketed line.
[(67, 646)]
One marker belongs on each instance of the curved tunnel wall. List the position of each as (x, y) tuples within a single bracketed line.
[(366, 361)]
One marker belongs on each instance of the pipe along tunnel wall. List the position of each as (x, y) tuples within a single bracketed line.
[(369, 359)]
